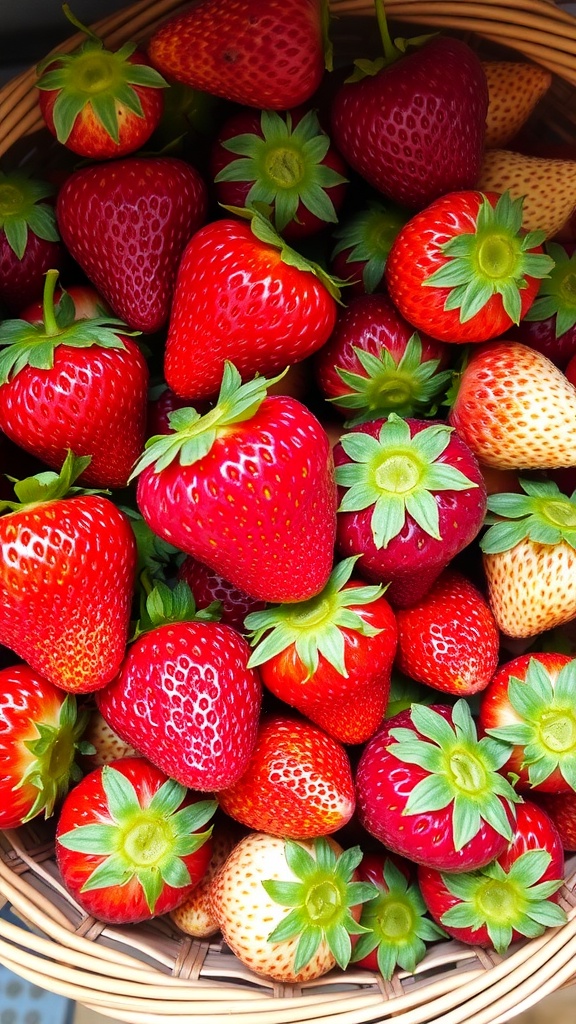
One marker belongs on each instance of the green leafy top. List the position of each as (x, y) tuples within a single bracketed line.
[(396, 924), (393, 50), (27, 344), (285, 164), (143, 841), (557, 293), (543, 515), (462, 771), (368, 235), (546, 726), (21, 210), (505, 901), (164, 604), (49, 486), (494, 259), (398, 473), (314, 626), (320, 900)]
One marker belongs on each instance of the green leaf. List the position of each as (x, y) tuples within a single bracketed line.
[(121, 796), (110, 873), (91, 839), (430, 794), (300, 862), (307, 947), (287, 894)]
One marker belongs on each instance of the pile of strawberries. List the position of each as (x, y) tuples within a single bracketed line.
[(288, 543)]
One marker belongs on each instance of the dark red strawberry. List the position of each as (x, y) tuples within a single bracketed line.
[(127, 223), (262, 53), (208, 586), (363, 241), (561, 808), (29, 239), (128, 842), (430, 791)]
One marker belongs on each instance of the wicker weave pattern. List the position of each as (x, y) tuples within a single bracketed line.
[(152, 972)]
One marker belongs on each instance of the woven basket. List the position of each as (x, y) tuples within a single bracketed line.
[(152, 972)]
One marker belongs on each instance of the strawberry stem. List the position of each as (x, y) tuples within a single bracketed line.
[(51, 328), (391, 52), (79, 25)]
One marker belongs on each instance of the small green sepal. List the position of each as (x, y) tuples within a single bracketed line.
[(557, 293), (543, 515), (22, 210), (49, 486), (54, 767), (167, 604)]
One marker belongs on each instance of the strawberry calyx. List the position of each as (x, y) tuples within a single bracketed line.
[(143, 842), (557, 294), (163, 604), (193, 434), (285, 164), (493, 259), (314, 626), (543, 515), (547, 722), (97, 77), (462, 771), (320, 900), (397, 927), (51, 756), (505, 902), (49, 486), (22, 210), (397, 473), (393, 49), (369, 235), (32, 344), (407, 387)]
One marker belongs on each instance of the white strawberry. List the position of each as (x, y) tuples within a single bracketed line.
[(286, 908), (108, 746), (194, 916)]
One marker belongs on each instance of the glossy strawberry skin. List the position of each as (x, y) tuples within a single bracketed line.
[(93, 401), (67, 573), (274, 471), (383, 786), (262, 53), (235, 299), (208, 586), (185, 699), (449, 640), (298, 782), (415, 255), (561, 808), (22, 281), (415, 130), (533, 831), (126, 223)]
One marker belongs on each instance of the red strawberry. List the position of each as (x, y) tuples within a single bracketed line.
[(428, 790), (29, 240), (242, 295), (127, 223), (248, 489), (449, 639), (463, 269), (561, 808), (97, 102), (511, 898), (83, 301), (67, 569), (412, 497), (284, 161), (374, 363), (70, 384), (40, 736), (330, 656), (262, 53), (529, 705), (363, 241), (184, 696), (550, 324), (208, 586), (128, 842), (298, 782), (413, 123)]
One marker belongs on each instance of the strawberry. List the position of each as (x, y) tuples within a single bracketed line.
[(287, 909), (363, 240), (561, 808), (97, 102), (74, 384), (184, 696), (208, 586), (430, 791), (262, 53), (515, 409), (285, 161), (241, 294), (550, 324), (67, 569), (41, 734), (529, 704), (545, 185), (529, 558), (514, 90), (126, 223), (194, 916), (398, 929), (105, 744), (464, 269), (413, 123), (510, 898), (297, 784), (374, 363), (330, 656), (251, 461), (128, 842), (29, 239), (412, 497), (82, 301)]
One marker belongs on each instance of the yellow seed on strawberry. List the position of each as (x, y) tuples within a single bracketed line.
[(531, 587), (514, 89), (547, 185)]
